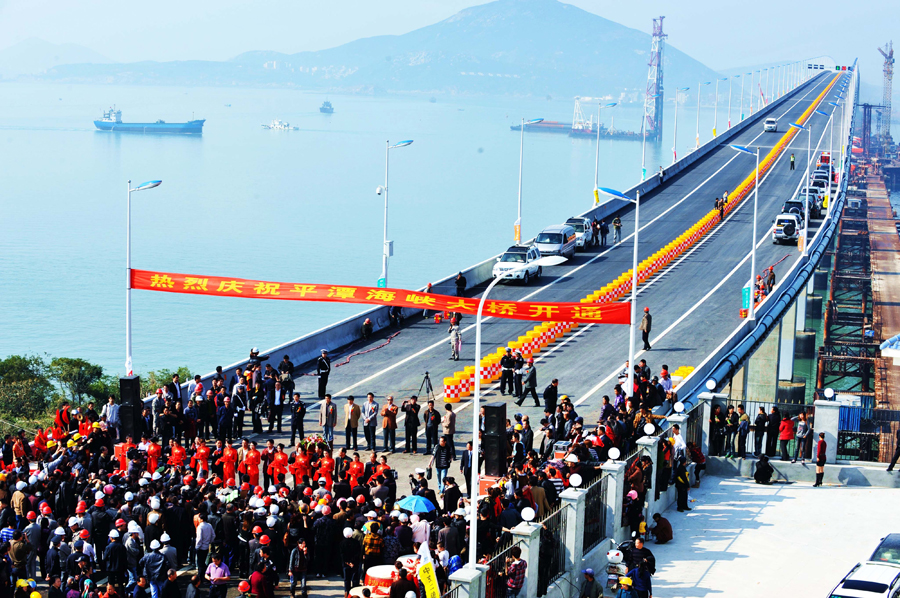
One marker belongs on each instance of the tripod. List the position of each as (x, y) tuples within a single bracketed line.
[(426, 389)]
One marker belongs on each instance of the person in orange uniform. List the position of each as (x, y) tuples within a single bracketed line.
[(40, 443), (250, 465), (177, 455), (154, 452), (326, 469), (200, 460), (228, 461), (300, 467), (279, 465), (126, 446), (355, 470)]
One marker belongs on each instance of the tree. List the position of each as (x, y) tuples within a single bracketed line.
[(25, 389), (159, 378), (75, 376)]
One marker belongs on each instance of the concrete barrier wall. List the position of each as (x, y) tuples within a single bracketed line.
[(307, 348)]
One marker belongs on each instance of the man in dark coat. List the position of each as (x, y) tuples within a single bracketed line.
[(115, 558), (225, 419)]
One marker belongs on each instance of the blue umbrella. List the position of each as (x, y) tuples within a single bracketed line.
[(415, 504)]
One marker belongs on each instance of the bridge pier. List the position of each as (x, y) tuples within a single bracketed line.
[(760, 379)]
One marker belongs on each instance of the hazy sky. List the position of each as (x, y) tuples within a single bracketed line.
[(722, 34)]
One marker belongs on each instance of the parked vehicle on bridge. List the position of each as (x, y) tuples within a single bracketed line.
[(514, 257), (583, 232), (795, 206), (558, 239), (869, 580), (771, 125), (787, 228), (817, 192)]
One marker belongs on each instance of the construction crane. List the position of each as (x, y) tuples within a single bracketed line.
[(888, 53), (653, 102)]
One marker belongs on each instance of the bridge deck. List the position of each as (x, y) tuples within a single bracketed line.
[(885, 263)]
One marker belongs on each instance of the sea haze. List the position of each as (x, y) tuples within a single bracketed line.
[(296, 206)]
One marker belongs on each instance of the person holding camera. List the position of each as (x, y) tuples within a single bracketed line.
[(410, 409)]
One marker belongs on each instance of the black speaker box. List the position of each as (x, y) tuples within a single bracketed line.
[(494, 455), (130, 406), (495, 419)]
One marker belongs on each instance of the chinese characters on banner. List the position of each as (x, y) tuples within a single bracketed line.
[(585, 313)]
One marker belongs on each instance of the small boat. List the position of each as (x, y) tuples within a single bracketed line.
[(326, 108), (279, 125)]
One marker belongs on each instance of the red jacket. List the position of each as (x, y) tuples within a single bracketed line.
[(786, 430), (820, 451)]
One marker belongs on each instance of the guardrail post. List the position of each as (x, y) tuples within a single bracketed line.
[(615, 495), (471, 581), (529, 536), (827, 421), (574, 500), (649, 446)]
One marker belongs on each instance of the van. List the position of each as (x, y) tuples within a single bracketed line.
[(558, 239)]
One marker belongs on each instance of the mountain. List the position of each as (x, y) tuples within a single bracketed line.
[(522, 47), (34, 56)]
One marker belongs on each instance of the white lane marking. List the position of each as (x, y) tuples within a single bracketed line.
[(421, 352)]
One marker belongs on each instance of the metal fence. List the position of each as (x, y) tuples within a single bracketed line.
[(761, 441), (552, 550), (452, 590), (866, 434), (495, 576), (595, 513), (693, 427)]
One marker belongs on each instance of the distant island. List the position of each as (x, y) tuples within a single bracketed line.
[(508, 47)]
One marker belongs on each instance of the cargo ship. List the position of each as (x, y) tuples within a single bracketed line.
[(326, 107), (112, 121), (547, 126)]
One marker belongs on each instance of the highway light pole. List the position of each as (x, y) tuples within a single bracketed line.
[(597, 164), (129, 363), (699, 87), (634, 277), (716, 111), (675, 135), (386, 247), (742, 94), (517, 229), (751, 313), (730, 81), (476, 400)]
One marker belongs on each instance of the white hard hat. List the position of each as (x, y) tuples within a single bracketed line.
[(143, 482), (403, 518), (154, 545), (273, 509), (32, 480), (371, 514), (165, 538), (129, 497), (20, 485), (73, 521), (113, 533), (395, 513), (260, 511), (272, 489), (156, 476), (153, 518), (98, 494), (59, 531), (271, 522), (460, 511), (134, 526), (570, 458), (377, 502), (410, 594), (154, 503), (348, 531)]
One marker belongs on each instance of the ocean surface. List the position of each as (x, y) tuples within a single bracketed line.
[(243, 201)]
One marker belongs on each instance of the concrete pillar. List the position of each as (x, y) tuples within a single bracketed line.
[(827, 421), (820, 279), (615, 494), (706, 413), (800, 304), (649, 444), (574, 501), (762, 370), (786, 345), (528, 535), (739, 386), (814, 306), (471, 581)]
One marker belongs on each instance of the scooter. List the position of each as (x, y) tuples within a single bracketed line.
[(616, 567)]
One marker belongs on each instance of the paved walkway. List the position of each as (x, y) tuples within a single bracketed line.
[(743, 539)]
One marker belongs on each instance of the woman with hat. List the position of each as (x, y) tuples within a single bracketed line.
[(625, 589)]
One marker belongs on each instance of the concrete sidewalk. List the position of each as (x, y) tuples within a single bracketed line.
[(744, 539)]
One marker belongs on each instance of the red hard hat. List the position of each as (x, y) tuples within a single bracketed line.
[(646, 309), (98, 502), (79, 509), (244, 586), (264, 540), (201, 481), (231, 483), (85, 534), (188, 479), (46, 510), (531, 360), (31, 515), (120, 522), (307, 491), (256, 529), (360, 499), (245, 486)]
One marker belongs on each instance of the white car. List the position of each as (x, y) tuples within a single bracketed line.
[(513, 258), (870, 580), (787, 228), (771, 125), (583, 232)]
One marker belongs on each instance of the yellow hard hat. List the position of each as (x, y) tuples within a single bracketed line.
[(96, 425), (21, 583), (518, 427), (70, 444), (51, 443), (624, 581), (76, 437)]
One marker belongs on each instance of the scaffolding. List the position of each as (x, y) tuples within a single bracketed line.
[(888, 53), (653, 101)]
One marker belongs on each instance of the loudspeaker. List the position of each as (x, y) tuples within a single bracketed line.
[(495, 419), (494, 454), (130, 405)]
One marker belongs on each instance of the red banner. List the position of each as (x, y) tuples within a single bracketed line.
[(220, 286)]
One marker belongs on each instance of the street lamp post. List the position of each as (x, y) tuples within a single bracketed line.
[(644, 142), (129, 363), (476, 399), (742, 94), (716, 111), (386, 247), (634, 277), (730, 81), (675, 135), (699, 86), (597, 164), (517, 232), (767, 87), (751, 314)]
